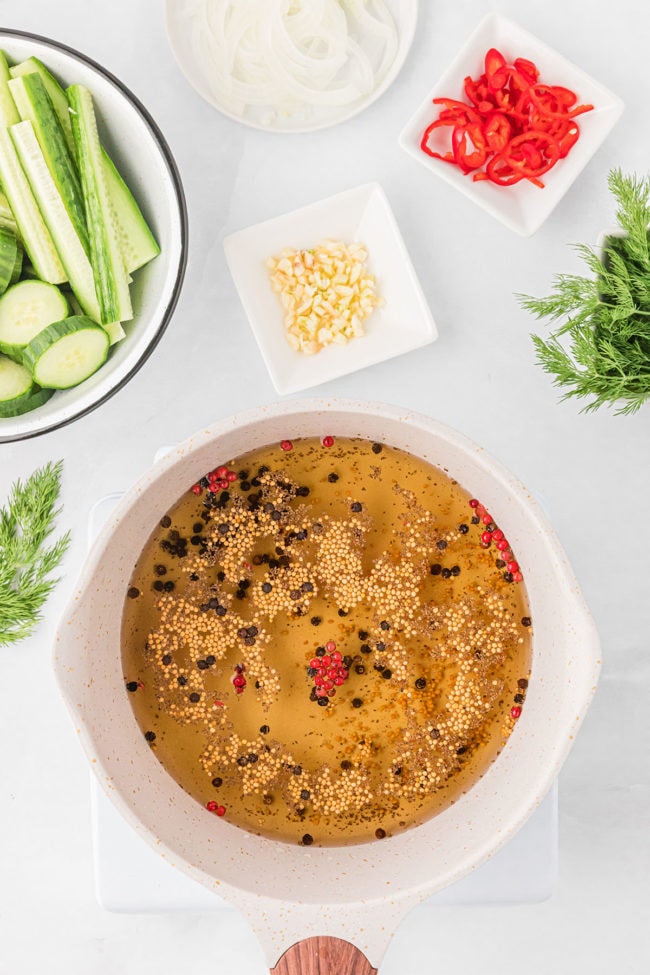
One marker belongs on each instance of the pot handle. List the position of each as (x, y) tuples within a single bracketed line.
[(323, 955)]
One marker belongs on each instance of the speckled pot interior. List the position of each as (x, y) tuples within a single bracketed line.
[(252, 870)]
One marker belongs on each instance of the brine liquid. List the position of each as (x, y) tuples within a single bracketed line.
[(353, 568)]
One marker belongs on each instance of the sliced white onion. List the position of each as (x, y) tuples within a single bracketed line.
[(292, 55)]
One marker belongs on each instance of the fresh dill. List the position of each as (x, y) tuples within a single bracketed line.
[(27, 559), (601, 346)]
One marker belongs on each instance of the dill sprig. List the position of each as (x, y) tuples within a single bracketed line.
[(600, 347), (26, 558)]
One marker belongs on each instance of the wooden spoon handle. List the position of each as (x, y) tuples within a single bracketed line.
[(323, 956)]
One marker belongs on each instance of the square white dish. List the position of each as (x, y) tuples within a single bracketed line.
[(403, 323), (522, 207)]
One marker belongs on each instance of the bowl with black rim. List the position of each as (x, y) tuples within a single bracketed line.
[(143, 158)]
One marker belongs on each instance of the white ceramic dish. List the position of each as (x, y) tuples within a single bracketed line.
[(401, 324), (356, 893), (522, 207), (179, 34), (140, 152)]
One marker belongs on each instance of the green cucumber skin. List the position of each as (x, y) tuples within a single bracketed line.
[(18, 263), (55, 91), (6, 216), (46, 339), (8, 112), (36, 397), (35, 235), (108, 265), (8, 251), (35, 106)]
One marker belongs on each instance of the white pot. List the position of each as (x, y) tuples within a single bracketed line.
[(358, 893)]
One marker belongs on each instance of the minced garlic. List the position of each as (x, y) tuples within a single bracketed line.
[(327, 293)]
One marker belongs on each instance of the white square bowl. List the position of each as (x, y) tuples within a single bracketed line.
[(522, 207), (363, 214)]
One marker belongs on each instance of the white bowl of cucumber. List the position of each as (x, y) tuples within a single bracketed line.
[(93, 231)]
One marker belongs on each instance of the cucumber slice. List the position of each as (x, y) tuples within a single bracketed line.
[(137, 243), (108, 265), (54, 90), (25, 310), (65, 353), (8, 113), (35, 106), (25, 404), (8, 252), (15, 380), (71, 251), (35, 235), (18, 394)]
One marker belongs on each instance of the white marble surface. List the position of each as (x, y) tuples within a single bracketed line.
[(592, 473)]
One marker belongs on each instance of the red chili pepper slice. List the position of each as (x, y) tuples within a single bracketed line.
[(512, 126), (497, 131), (580, 110), (568, 140), (424, 142), (479, 94), (460, 111), (494, 63), (501, 173), (469, 146), (531, 165)]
